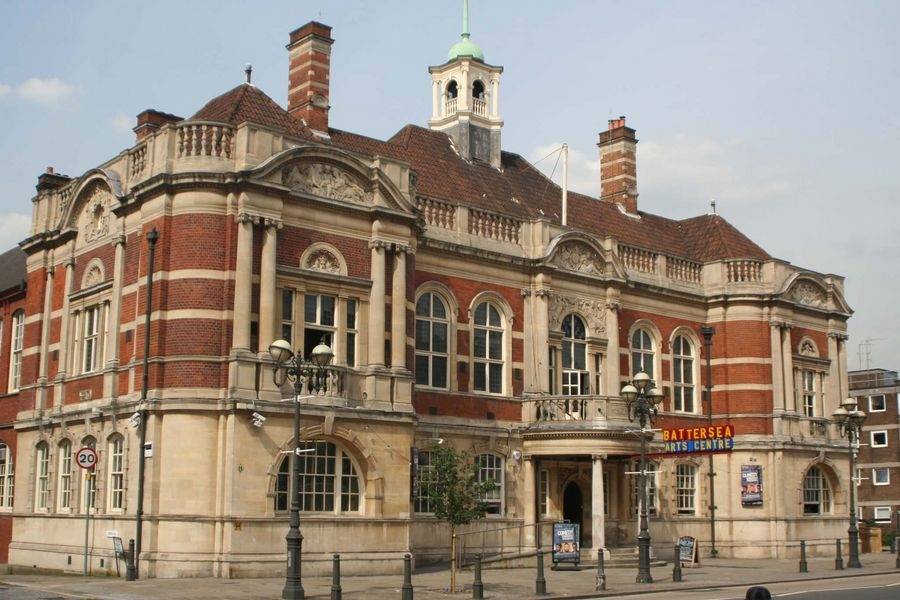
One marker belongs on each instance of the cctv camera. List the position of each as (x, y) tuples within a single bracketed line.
[(135, 420)]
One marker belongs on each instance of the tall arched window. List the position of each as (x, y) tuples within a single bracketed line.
[(490, 468), (642, 353), (117, 472), (89, 489), (686, 489), (816, 493), (17, 337), (328, 480), (452, 89), (478, 90), (6, 477), (574, 357), (683, 375), (42, 469), (488, 350), (65, 475), (432, 331)]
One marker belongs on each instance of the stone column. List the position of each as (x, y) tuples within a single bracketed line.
[(833, 389), (529, 510), (598, 519), (778, 400), (398, 309), (267, 293), (45, 338), (495, 98), (787, 362), (376, 304), (613, 377), (541, 323), (435, 100), (65, 342), (842, 367), (243, 283), (110, 387)]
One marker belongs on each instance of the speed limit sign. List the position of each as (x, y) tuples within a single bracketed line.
[(86, 458)]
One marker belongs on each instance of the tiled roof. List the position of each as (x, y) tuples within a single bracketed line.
[(517, 190), (12, 268)]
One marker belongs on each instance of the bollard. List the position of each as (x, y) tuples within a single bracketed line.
[(130, 571), (336, 577), (540, 584), (838, 558), (406, 592), (804, 568), (601, 571), (676, 570), (897, 543), (477, 585)]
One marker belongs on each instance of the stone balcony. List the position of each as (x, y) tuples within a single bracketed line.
[(567, 413)]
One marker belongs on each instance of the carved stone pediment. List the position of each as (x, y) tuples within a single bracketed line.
[(579, 258), (323, 260), (808, 293), (93, 222), (594, 311), (324, 180)]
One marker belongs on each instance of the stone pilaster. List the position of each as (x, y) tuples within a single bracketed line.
[(613, 376), (598, 519), (243, 283), (398, 308), (267, 292), (110, 389), (377, 304)]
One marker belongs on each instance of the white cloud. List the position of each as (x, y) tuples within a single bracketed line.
[(14, 228), (122, 123), (4, 89), (45, 91)]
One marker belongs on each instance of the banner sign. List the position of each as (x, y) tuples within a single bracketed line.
[(712, 438), (565, 542), (751, 485)]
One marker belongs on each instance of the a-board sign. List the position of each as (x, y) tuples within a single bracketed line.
[(86, 458), (688, 553), (565, 542), (119, 547)]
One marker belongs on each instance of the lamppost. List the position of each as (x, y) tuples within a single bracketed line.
[(642, 398), (850, 419), (290, 366)]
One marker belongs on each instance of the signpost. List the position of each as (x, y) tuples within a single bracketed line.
[(86, 458), (565, 543)]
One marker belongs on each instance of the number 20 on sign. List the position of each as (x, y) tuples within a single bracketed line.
[(86, 458)]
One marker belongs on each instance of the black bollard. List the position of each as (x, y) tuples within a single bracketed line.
[(477, 585), (336, 577), (601, 571), (406, 592), (540, 584), (130, 571), (897, 544), (804, 568), (838, 558), (676, 570)]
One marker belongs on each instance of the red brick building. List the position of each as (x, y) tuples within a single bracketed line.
[(466, 298)]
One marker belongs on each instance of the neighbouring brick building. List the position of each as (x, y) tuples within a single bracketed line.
[(876, 392), (460, 306)]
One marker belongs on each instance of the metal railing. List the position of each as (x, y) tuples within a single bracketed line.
[(495, 543)]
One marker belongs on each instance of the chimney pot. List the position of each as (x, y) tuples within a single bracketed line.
[(151, 120), (50, 170)]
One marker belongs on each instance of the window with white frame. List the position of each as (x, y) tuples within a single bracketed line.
[(117, 472), (881, 476), (877, 403), (544, 492), (65, 475), (808, 380), (642, 353), (576, 380), (17, 338), (423, 477), (683, 375), (816, 493), (432, 341), (652, 469), (352, 330), (6, 477), (490, 468), (318, 318), (328, 480), (89, 490), (686, 489), (488, 349), (42, 489), (882, 514), (90, 342), (878, 439)]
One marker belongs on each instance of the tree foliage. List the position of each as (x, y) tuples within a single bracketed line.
[(453, 488)]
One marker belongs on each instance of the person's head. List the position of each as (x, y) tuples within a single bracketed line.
[(758, 593)]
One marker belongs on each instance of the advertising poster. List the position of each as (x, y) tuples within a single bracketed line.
[(751, 485), (565, 542)]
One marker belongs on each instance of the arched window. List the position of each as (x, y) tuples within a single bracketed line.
[(683, 375), (490, 468), (117, 472), (574, 357), (17, 337), (65, 475), (816, 493), (478, 90), (89, 495), (432, 330), (328, 480), (642, 353), (452, 89), (686, 489), (6, 477), (42, 468), (488, 350)]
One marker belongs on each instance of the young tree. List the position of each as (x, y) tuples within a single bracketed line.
[(455, 494)]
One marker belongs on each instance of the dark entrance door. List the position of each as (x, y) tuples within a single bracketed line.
[(573, 507)]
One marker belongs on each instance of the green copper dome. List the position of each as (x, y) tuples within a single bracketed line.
[(465, 46)]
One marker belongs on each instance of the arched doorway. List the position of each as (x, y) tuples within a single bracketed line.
[(573, 507)]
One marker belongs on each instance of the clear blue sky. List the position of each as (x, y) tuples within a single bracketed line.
[(785, 113)]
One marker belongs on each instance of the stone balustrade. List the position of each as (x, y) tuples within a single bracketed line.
[(493, 226), (683, 270), (137, 161), (572, 412), (204, 138), (638, 259), (479, 107), (438, 213), (743, 271)]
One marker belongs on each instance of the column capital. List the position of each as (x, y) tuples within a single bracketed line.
[(272, 222), (526, 292), (119, 240), (613, 305), (375, 244), (780, 323), (600, 457), (69, 262), (840, 336), (245, 217), (403, 249)]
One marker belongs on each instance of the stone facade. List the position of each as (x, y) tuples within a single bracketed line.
[(458, 307)]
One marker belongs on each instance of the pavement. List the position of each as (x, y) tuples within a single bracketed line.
[(716, 579)]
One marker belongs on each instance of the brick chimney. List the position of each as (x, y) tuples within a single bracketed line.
[(618, 165), (51, 180), (309, 51), (150, 120)]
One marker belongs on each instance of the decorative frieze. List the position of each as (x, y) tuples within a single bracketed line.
[(324, 180), (593, 311), (807, 293), (95, 216), (579, 258)]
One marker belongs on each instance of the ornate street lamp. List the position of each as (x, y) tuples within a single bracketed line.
[(642, 398), (290, 366), (850, 419)]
